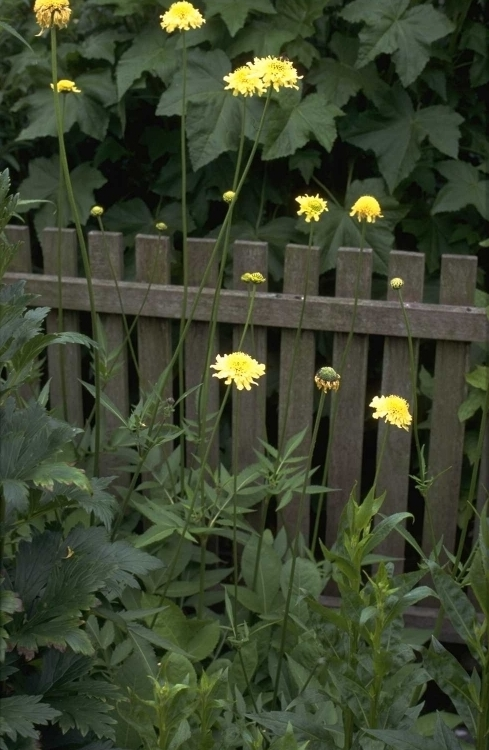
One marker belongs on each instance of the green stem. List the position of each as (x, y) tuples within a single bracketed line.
[(336, 397), (379, 460), (203, 552), (61, 350), (235, 503), (81, 242), (481, 742), (413, 372), (295, 549), (183, 155)]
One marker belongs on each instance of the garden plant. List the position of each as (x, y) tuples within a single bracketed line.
[(166, 605)]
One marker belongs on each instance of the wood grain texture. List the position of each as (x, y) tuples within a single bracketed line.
[(396, 379), (101, 247), (249, 406), (196, 345), (383, 318), (457, 287), (347, 438), (296, 380), (64, 361)]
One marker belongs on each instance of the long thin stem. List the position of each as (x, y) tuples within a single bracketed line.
[(61, 349), (235, 502), (295, 548), (337, 396), (81, 242), (183, 157)]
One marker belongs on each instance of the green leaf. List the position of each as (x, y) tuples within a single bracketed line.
[(20, 713), (43, 182), (402, 739), (479, 579), (392, 28), (479, 377), (152, 51), (475, 400), (445, 737), (268, 573), (464, 187), (234, 14), (101, 46), (307, 579), (457, 605), (213, 128), (86, 714), (45, 475), (326, 737), (10, 30), (395, 134), (290, 125)]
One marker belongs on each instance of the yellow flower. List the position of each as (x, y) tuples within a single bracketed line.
[(228, 196), (66, 87), (160, 226), (238, 368), (393, 409), (96, 211), (52, 13), (246, 81), (183, 16), (397, 283), (253, 278), (276, 72), (312, 206), (327, 379), (368, 208)]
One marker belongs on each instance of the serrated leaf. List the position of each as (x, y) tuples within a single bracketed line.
[(290, 125), (475, 400), (457, 605), (234, 14), (151, 51), (20, 713), (395, 134), (392, 28), (464, 187), (213, 127)]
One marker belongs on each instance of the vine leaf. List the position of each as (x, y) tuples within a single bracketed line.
[(464, 187), (391, 27)]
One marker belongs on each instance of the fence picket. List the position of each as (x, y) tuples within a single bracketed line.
[(396, 379), (106, 253), (66, 357), (346, 452), (457, 287), (199, 255), (299, 392), (249, 406)]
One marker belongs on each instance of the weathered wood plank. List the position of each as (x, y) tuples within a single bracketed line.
[(103, 246), (21, 267), (396, 379), (196, 343), (384, 318), (154, 334), (249, 407), (296, 379), (64, 361), (347, 437), (457, 287)]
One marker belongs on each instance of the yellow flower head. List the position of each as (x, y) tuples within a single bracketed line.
[(228, 196), (66, 87), (246, 81), (393, 409), (367, 208), (397, 283), (238, 368), (327, 379), (253, 278), (96, 211), (160, 226), (183, 16), (52, 13), (312, 206), (276, 72)]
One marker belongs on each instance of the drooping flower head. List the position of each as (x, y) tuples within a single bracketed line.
[(96, 211), (312, 206), (253, 278), (245, 81), (276, 71), (367, 208), (64, 86), (182, 16), (397, 283), (228, 196), (327, 379), (52, 13), (238, 368), (393, 409)]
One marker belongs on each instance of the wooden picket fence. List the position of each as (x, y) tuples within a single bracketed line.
[(453, 324)]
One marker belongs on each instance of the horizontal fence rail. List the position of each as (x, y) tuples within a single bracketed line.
[(451, 326)]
